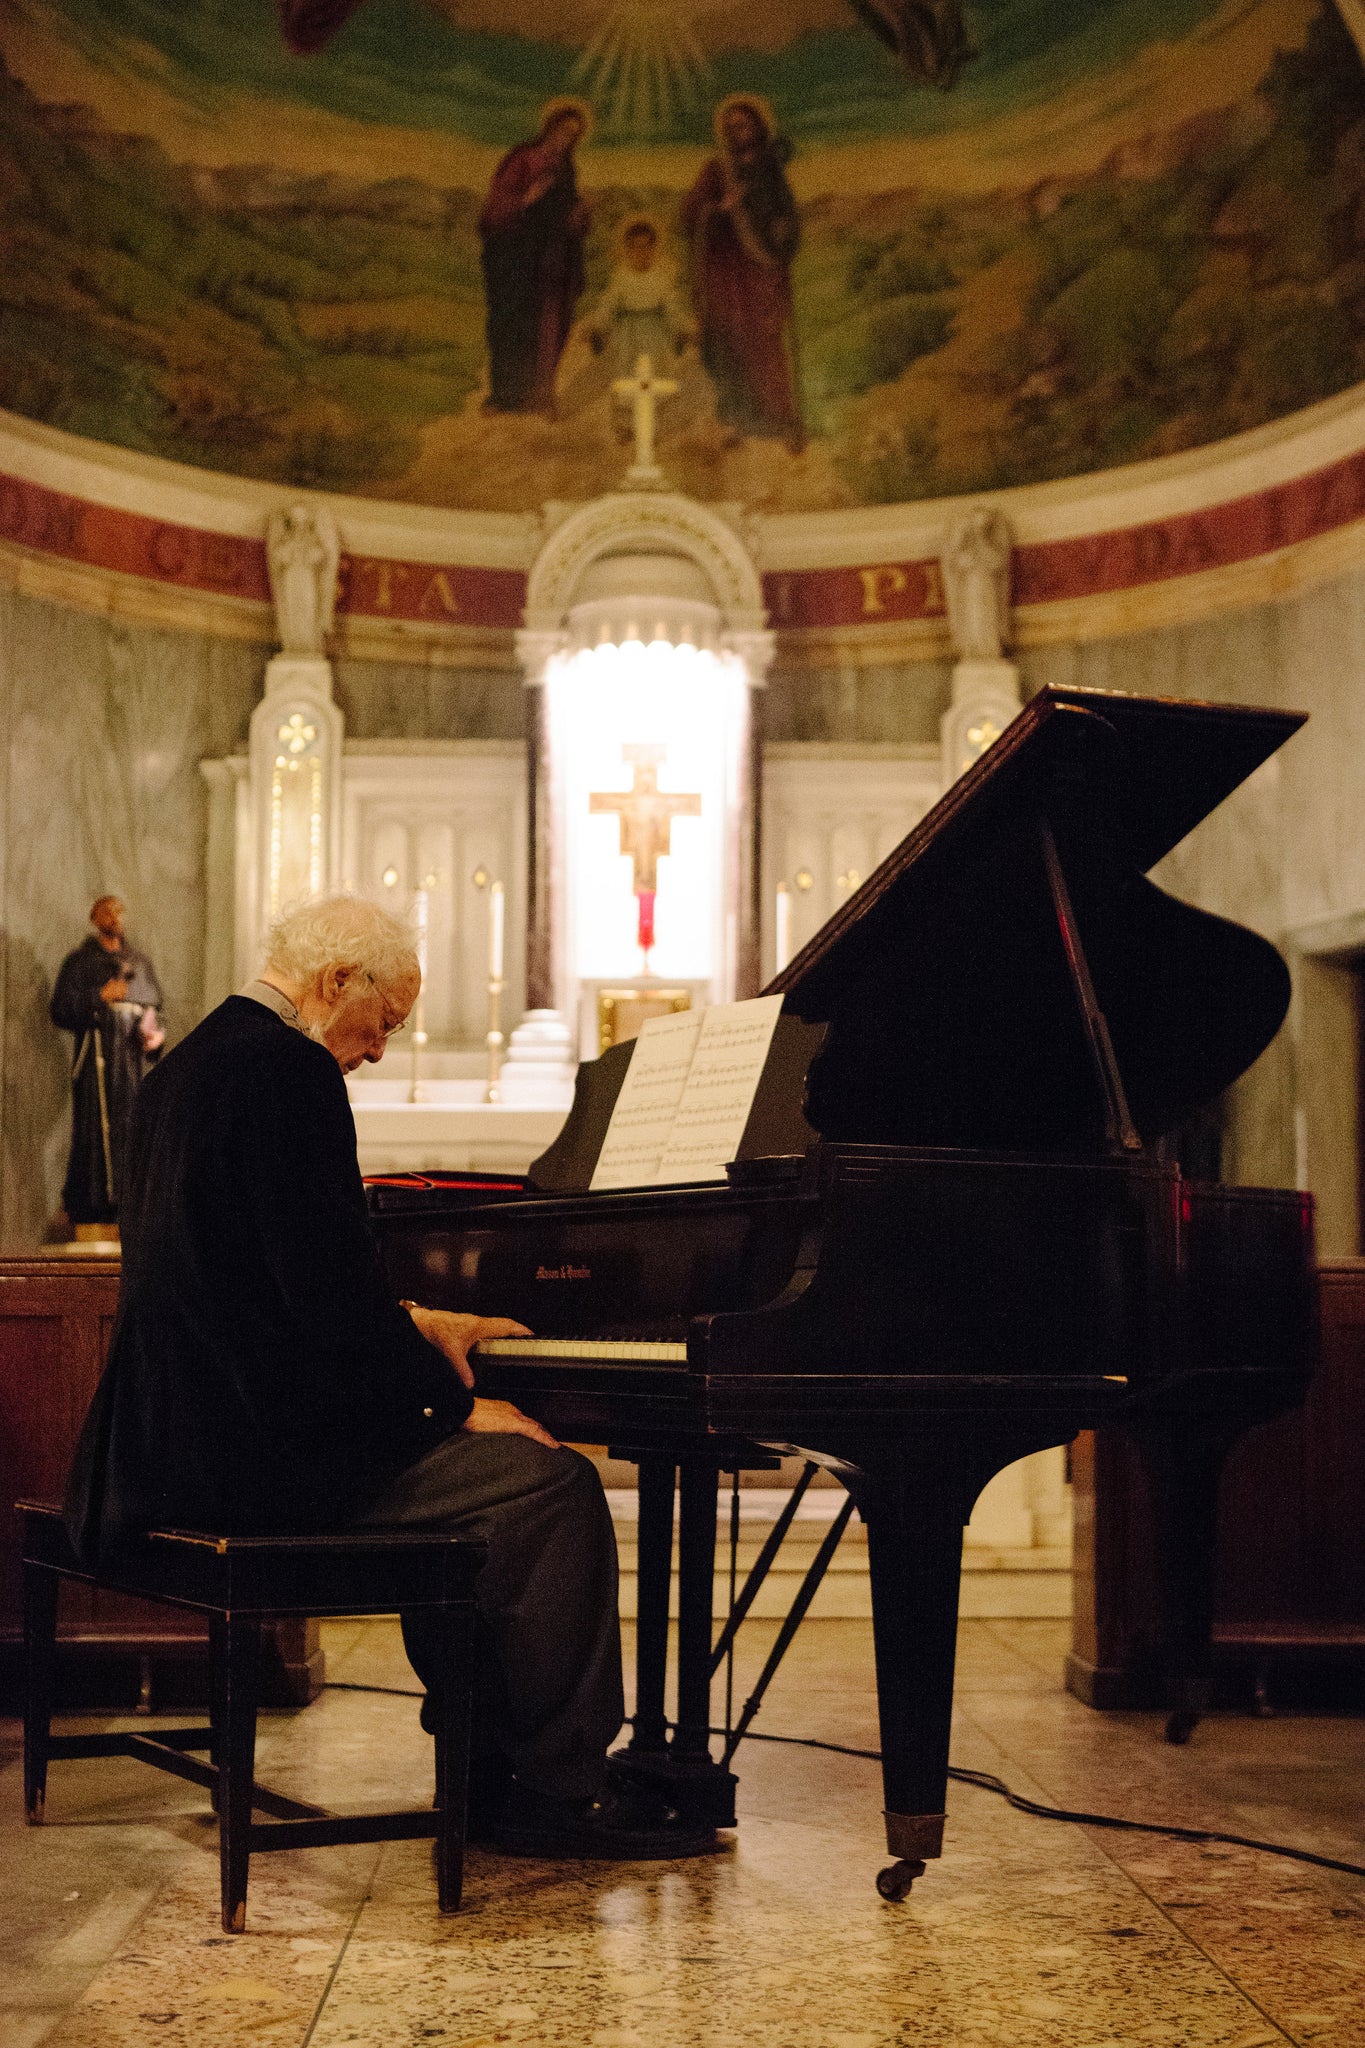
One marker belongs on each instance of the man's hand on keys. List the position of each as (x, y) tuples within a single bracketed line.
[(455, 1335)]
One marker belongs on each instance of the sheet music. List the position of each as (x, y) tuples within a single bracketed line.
[(732, 1050), (642, 1119)]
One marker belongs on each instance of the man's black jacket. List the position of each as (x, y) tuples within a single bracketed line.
[(261, 1379)]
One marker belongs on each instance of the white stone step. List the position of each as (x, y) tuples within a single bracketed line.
[(998, 1582)]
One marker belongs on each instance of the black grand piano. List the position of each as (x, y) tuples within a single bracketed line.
[(955, 1233)]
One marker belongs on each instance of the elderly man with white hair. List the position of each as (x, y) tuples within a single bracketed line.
[(263, 1380)]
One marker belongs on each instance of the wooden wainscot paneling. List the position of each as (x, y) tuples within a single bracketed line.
[(1289, 1617), (56, 1317)]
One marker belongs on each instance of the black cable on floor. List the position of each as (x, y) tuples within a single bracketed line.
[(984, 1782), (397, 1692)]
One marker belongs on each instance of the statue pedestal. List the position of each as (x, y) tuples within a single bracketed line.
[(308, 675), (985, 699), (294, 758)]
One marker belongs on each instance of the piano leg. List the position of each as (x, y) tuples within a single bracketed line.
[(696, 1578), (914, 1547), (683, 1770), (916, 1505), (1183, 1457), (655, 1570)]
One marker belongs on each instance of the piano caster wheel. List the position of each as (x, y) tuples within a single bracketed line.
[(895, 1881), (1181, 1725)]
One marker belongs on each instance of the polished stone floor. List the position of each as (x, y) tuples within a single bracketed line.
[(1028, 1934)]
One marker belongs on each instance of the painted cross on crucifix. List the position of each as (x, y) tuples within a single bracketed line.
[(646, 815)]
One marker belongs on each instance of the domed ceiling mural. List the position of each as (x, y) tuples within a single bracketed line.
[(885, 249)]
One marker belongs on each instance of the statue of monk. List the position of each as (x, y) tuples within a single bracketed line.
[(107, 995)]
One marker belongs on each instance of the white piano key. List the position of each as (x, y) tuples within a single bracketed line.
[(641, 1353)]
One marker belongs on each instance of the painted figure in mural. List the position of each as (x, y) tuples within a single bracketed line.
[(303, 549), (743, 226), (640, 312), (532, 229), (108, 997), (928, 36)]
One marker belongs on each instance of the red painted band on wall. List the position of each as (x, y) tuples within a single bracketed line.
[(1218, 538), (428, 593), (191, 558), (1094, 565), (103, 537)]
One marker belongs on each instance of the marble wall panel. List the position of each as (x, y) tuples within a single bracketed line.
[(106, 725), (413, 701), (1286, 852), (1323, 669), (897, 704)]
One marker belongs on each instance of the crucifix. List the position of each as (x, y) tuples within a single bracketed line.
[(646, 815), (642, 393)]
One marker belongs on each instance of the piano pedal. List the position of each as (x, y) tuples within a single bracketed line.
[(697, 1786), (1181, 1725), (895, 1881)]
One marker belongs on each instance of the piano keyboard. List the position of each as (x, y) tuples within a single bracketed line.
[(633, 1351)]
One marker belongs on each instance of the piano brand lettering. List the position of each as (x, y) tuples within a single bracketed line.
[(563, 1272)]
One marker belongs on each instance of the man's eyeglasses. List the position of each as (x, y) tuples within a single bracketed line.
[(389, 1030)]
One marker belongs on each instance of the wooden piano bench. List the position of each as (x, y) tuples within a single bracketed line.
[(240, 1583)]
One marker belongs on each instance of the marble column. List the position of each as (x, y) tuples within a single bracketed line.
[(985, 699), (284, 801), (541, 1057)]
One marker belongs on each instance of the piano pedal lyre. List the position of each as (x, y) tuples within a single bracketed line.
[(895, 1881)]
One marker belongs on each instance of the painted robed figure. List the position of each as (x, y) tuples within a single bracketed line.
[(741, 220), (532, 229), (107, 995)]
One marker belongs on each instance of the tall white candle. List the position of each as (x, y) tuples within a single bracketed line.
[(416, 1091), (495, 930), (420, 920), (782, 927)]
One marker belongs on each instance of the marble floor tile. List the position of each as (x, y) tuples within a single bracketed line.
[(1027, 1934), (181, 1983), (785, 1943)]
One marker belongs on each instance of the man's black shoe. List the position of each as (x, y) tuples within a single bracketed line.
[(624, 1824)]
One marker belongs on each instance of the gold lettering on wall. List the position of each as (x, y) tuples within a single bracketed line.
[(888, 580), (387, 576), (440, 587)]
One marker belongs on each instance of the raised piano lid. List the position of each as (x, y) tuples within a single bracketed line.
[(1009, 978)]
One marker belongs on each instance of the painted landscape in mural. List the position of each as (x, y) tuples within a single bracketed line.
[(885, 248)]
